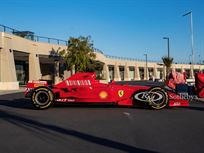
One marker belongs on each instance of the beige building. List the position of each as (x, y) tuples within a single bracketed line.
[(24, 57)]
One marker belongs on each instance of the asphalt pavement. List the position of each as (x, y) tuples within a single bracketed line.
[(101, 129)]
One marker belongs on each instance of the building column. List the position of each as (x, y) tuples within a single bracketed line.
[(73, 70), (127, 73), (191, 72), (137, 73), (8, 79), (182, 70), (67, 74), (164, 73), (200, 69), (173, 69), (116, 73), (34, 67), (146, 73), (106, 72), (57, 77), (155, 73)]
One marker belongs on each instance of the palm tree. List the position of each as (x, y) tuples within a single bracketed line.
[(79, 53), (167, 62)]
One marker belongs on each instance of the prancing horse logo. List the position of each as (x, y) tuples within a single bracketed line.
[(120, 93)]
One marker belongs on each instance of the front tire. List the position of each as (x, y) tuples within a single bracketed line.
[(158, 98), (42, 98)]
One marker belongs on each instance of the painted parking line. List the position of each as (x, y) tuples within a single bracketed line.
[(128, 115)]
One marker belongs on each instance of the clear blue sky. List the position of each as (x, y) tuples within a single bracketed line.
[(126, 28)]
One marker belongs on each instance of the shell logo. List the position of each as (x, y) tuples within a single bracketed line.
[(38, 85), (103, 94)]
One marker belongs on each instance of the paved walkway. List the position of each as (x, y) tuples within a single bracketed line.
[(4, 92)]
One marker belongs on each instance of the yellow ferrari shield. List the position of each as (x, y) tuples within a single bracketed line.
[(120, 93)]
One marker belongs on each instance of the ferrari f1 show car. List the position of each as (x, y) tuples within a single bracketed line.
[(84, 88)]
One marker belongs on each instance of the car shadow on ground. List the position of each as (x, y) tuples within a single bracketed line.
[(33, 125), (17, 100), (26, 104), (196, 108), (195, 105)]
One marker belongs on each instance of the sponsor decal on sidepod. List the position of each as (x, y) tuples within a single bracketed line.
[(148, 96)]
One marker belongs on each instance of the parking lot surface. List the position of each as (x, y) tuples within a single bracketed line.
[(98, 129)]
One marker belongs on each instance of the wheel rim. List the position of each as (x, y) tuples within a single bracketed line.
[(42, 98), (157, 98)]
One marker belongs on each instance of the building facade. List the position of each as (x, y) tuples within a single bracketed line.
[(23, 59)]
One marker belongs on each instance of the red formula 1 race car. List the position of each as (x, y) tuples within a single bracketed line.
[(199, 84), (84, 88)]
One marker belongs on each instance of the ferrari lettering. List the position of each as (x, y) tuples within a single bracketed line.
[(78, 82)]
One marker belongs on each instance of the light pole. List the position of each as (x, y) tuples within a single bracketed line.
[(199, 59), (168, 47), (146, 65), (190, 59), (192, 40)]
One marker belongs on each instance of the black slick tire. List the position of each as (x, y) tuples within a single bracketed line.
[(42, 98)]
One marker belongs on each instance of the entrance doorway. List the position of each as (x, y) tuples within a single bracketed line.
[(21, 72), (21, 65)]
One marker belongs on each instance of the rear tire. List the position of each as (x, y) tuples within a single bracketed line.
[(158, 98), (42, 98)]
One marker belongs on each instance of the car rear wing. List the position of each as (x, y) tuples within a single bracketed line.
[(35, 84), (31, 85)]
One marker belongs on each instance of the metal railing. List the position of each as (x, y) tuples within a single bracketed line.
[(136, 59), (98, 51), (121, 58), (129, 59), (36, 38)]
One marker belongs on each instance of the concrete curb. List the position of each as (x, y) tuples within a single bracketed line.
[(5, 92)]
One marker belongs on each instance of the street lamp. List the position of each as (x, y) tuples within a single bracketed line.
[(190, 59), (168, 47), (146, 65), (199, 59), (192, 40)]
